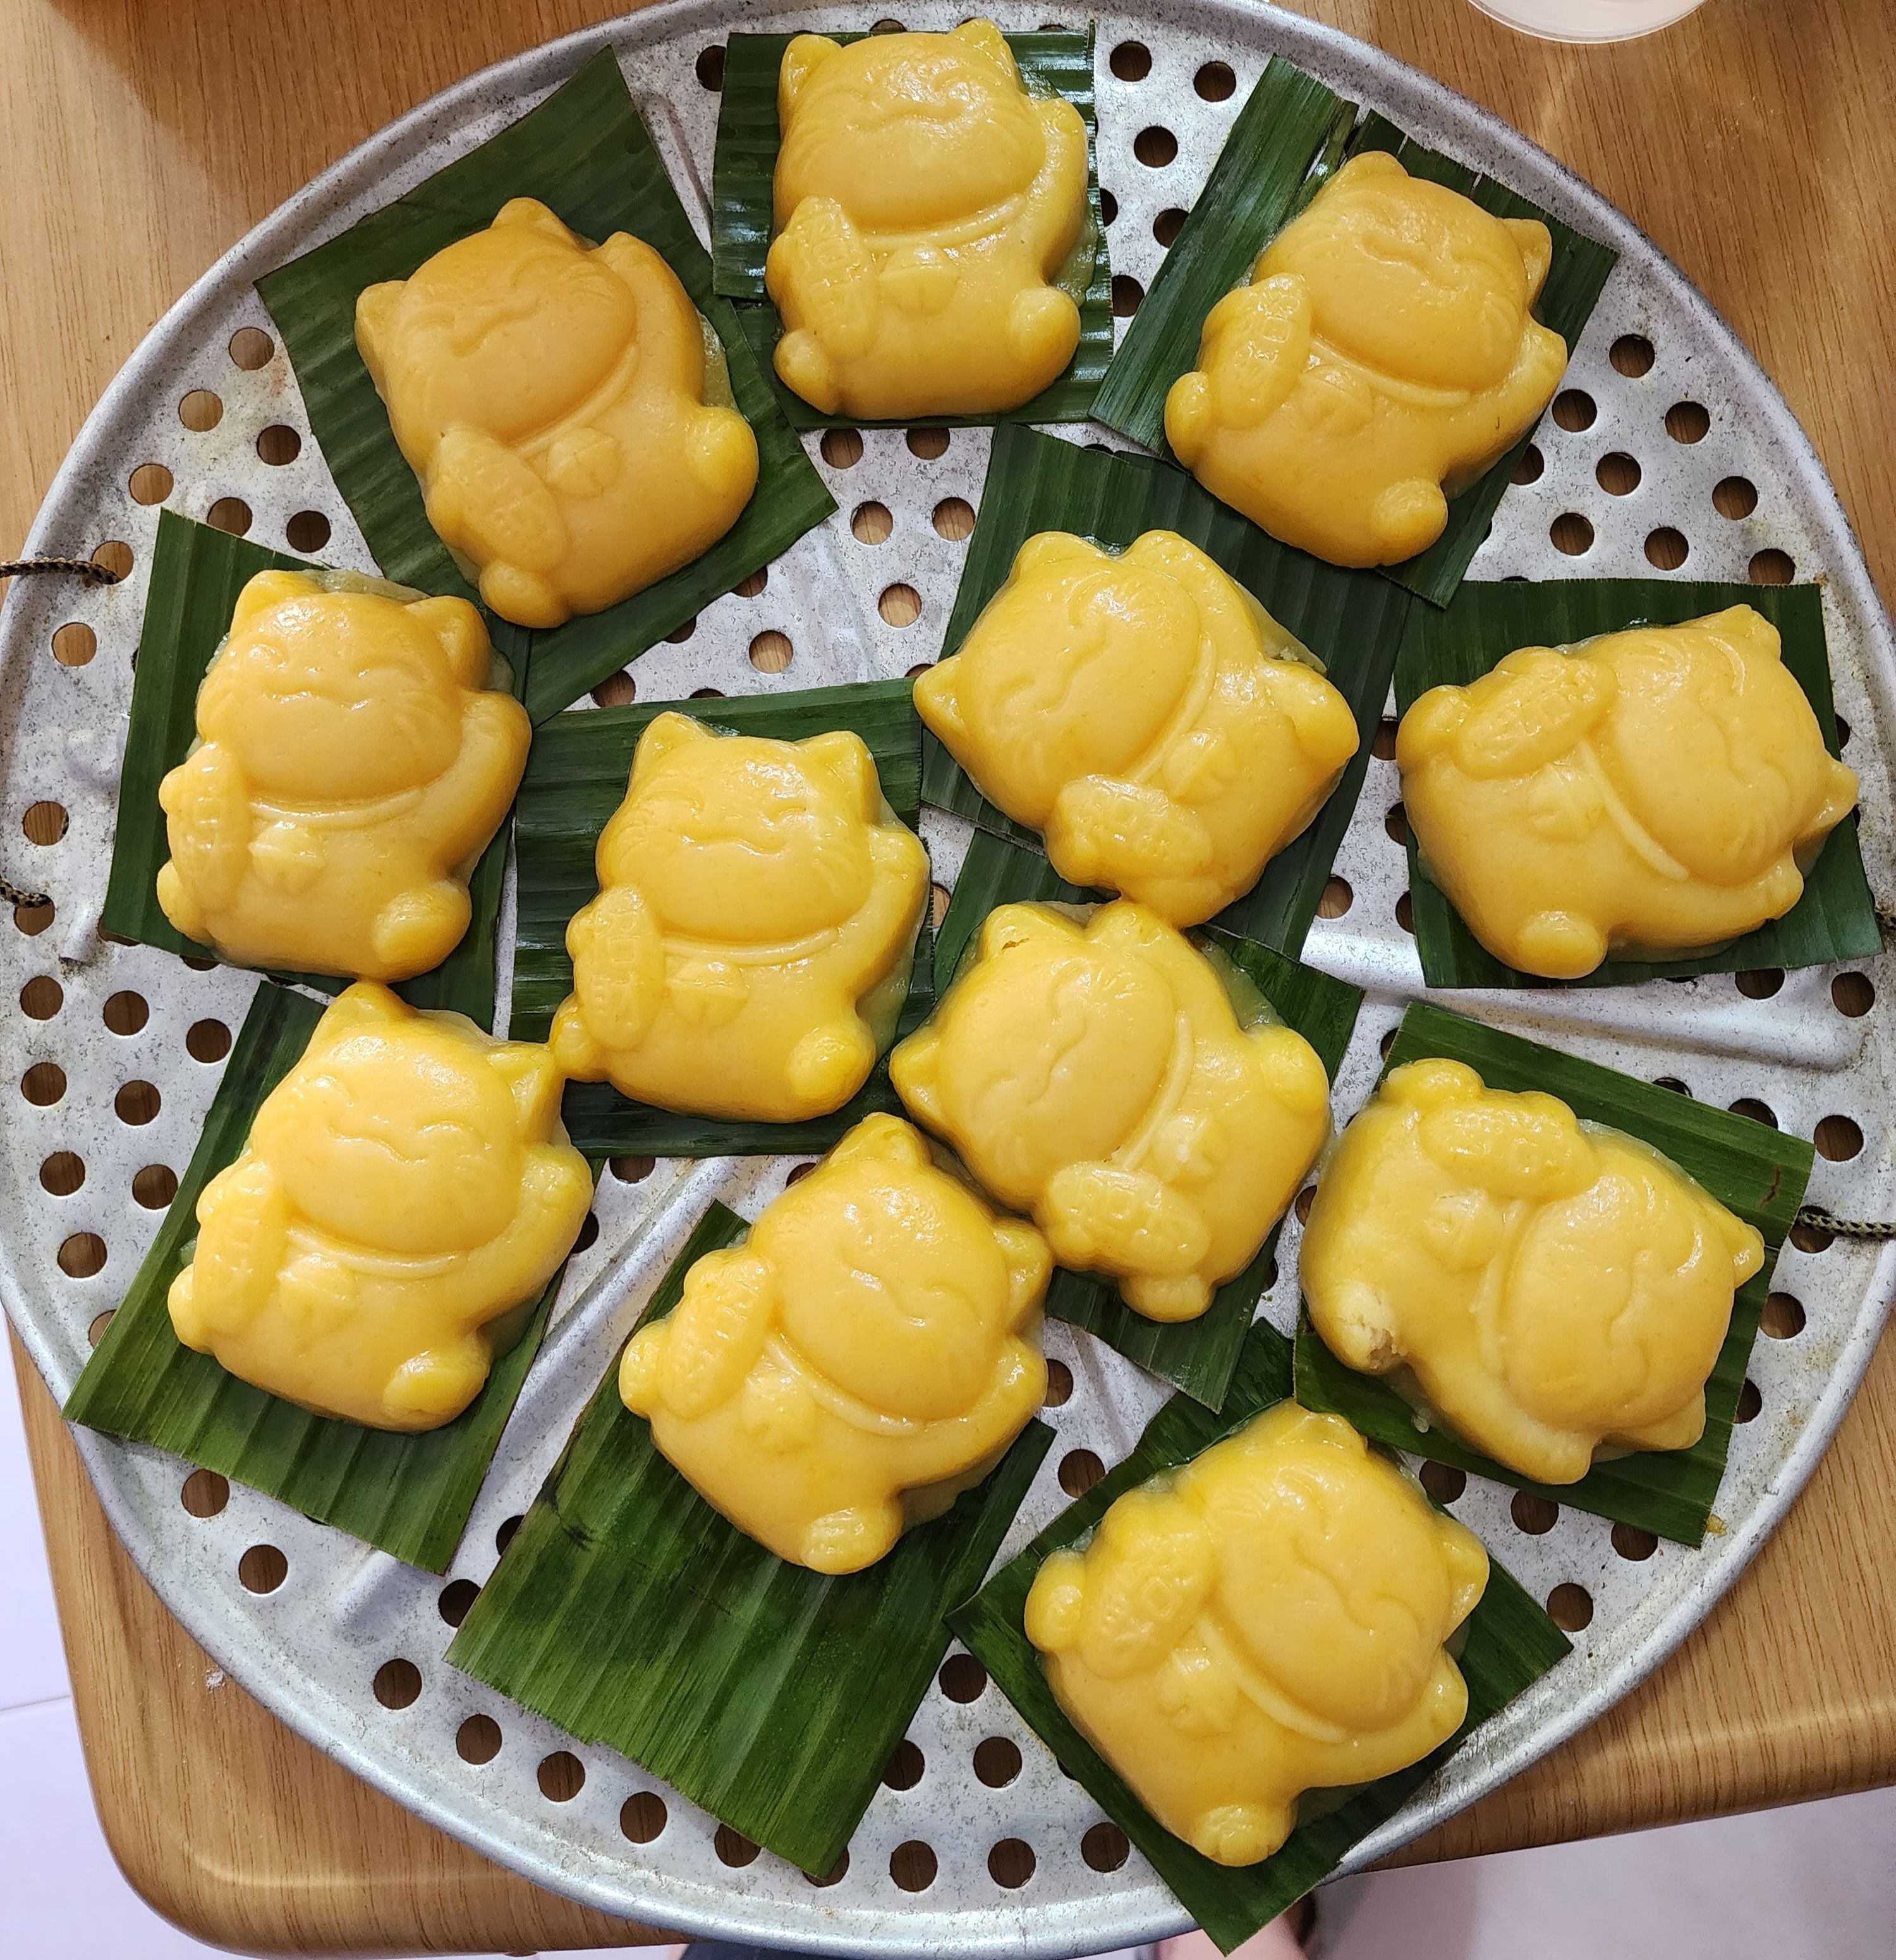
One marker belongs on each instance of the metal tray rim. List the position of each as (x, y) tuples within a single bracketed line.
[(1328, 50)]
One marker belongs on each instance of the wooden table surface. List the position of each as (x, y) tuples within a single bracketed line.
[(1755, 143)]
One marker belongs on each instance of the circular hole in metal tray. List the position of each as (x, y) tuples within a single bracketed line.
[(1669, 429)]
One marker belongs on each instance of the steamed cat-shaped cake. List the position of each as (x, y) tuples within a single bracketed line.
[(1658, 790), (1554, 1289), (1094, 1074), (1147, 715), (924, 205), (1384, 356), (867, 1354), (551, 395), (405, 1194), (749, 948), (1271, 1618), (353, 758)]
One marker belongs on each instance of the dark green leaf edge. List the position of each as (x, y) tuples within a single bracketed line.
[(1251, 193), (743, 173), (197, 573), (408, 1495), (576, 779), (1758, 1172), (631, 1613), (1197, 1356), (1836, 918), (1510, 1643), (1263, 176), (584, 151), (1352, 621)]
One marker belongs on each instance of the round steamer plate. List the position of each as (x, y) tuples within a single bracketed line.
[(115, 1057)]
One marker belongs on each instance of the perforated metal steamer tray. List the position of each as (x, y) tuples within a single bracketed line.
[(311, 1648)]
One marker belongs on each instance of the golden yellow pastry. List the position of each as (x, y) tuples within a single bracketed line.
[(1383, 357), (405, 1194), (1658, 791), (749, 949), (550, 396), (924, 205), (1095, 1074), (1551, 1286), (865, 1356), (354, 758), (1268, 1620), (1144, 712)]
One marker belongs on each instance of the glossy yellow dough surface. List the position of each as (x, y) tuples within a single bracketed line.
[(550, 395), (749, 949), (1268, 1620), (1551, 1287), (924, 204), (1095, 1075), (1145, 713), (1383, 357), (1663, 789), (405, 1193), (353, 760), (864, 1356)]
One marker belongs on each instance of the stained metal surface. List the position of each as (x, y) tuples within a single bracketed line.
[(311, 1650)]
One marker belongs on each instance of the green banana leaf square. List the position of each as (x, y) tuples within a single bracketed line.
[(1510, 1643), (196, 574), (584, 152), (631, 1613), (409, 1495), (1757, 1172), (1290, 136), (1197, 1356), (1352, 621), (1836, 918), (743, 172), (576, 779)]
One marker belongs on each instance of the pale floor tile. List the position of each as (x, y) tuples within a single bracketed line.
[(32, 1666), (60, 1896), (1816, 1882)]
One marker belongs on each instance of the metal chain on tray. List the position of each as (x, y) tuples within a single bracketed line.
[(72, 567), (1819, 1220)]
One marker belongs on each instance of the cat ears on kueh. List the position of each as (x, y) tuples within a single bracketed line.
[(845, 755), (808, 52), (527, 1067), (454, 622)]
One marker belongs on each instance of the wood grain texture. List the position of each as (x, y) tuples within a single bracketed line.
[(1753, 142), (225, 1820)]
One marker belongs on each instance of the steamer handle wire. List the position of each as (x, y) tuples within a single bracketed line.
[(72, 568), (1816, 1216), (83, 568)]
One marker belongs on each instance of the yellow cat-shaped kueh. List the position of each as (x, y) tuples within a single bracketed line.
[(1384, 356), (924, 204), (1658, 790), (1095, 1075), (1268, 1620), (1552, 1288), (405, 1194), (866, 1355), (749, 949), (550, 395), (1144, 712), (354, 758)]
